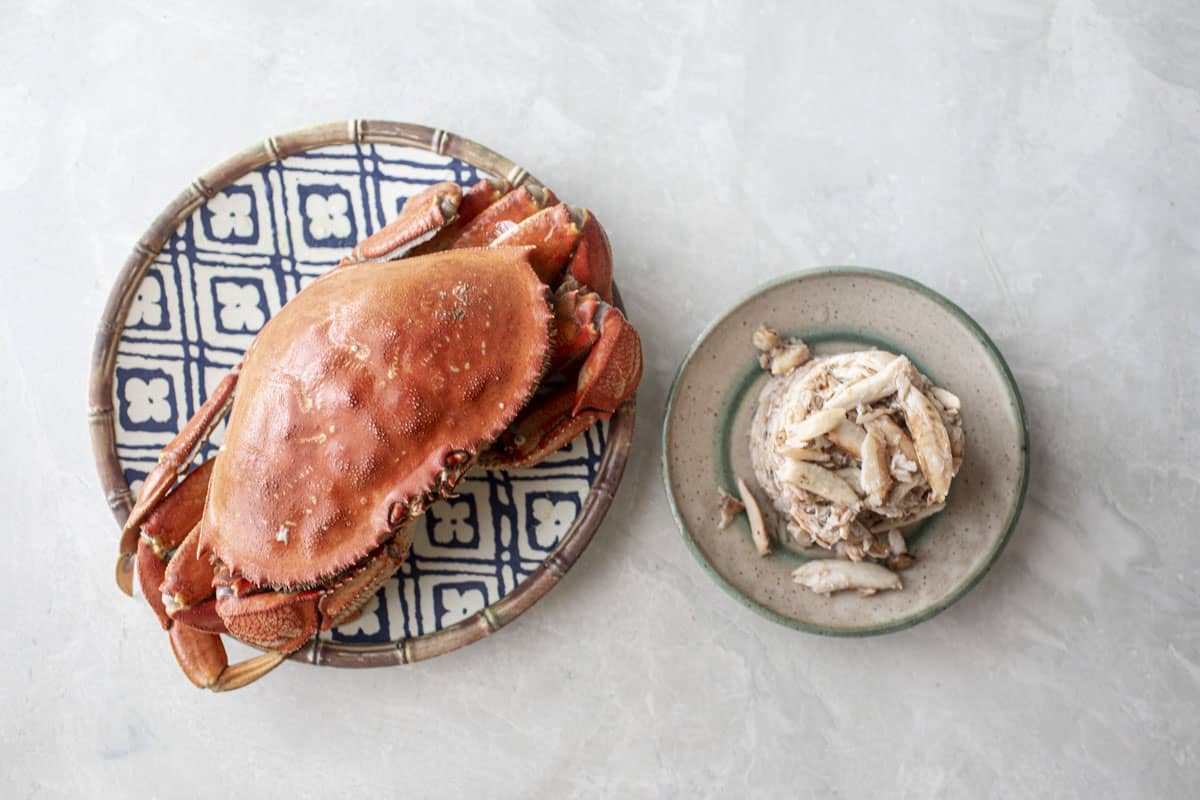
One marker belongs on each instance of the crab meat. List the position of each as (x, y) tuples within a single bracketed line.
[(730, 508), (818, 423), (819, 481), (765, 340), (852, 447), (788, 358), (904, 522), (897, 440), (758, 526), (777, 356), (826, 576), (930, 438), (803, 453), (868, 390), (949, 401), (848, 436), (876, 476)]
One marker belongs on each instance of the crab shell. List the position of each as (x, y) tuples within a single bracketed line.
[(356, 397)]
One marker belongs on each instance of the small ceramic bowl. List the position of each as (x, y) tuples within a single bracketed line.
[(706, 445)]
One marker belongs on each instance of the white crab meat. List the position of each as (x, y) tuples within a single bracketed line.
[(777, 356), (766, 339), (897, 440), (758, 526), (930, 438), (904, 522), (803, 453), (818, 423), (819, 481), (876, 476), (829, 575), (868, 390), (949, 401), (729, 507), (786, 359), (849, 437), (853, 447)]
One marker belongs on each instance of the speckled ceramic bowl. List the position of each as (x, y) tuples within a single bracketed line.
[(705, 445)]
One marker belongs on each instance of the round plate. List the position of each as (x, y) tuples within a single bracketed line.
[(227, 254), (706, 445)]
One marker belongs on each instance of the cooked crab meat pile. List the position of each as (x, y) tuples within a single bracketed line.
[(852, 449)]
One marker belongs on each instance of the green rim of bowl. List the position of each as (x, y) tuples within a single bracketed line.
[(1014, 396)]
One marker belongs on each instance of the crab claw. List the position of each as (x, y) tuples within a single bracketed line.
[(574, 326), (423, 215), (474, 201), (188, 579), (172, 462), (503, 215), (591, 263), (543, 428), (583, 324), (151, 570), (613, 367), (552, 233)]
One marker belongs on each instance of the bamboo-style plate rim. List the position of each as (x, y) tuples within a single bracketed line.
[(101, 418)]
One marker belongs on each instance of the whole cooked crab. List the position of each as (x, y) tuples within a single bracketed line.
[(477, 327)]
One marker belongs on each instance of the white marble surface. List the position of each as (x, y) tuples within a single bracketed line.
[(1035, 161)]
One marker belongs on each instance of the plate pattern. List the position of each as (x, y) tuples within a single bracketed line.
[(232, 265)]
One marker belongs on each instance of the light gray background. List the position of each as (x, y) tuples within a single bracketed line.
[(1034, 161)]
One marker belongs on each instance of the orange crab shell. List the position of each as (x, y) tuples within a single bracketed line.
[(352, 398)]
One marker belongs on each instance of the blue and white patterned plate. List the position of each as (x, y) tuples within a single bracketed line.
[(226, 270)]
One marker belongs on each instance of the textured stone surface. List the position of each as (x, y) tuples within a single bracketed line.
[(1034, 161)]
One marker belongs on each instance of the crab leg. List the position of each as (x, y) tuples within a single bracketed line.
[(423, 215), (203, 659), (278, 622), (172, 462)]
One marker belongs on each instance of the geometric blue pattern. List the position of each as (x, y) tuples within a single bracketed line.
[(233, 265)]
